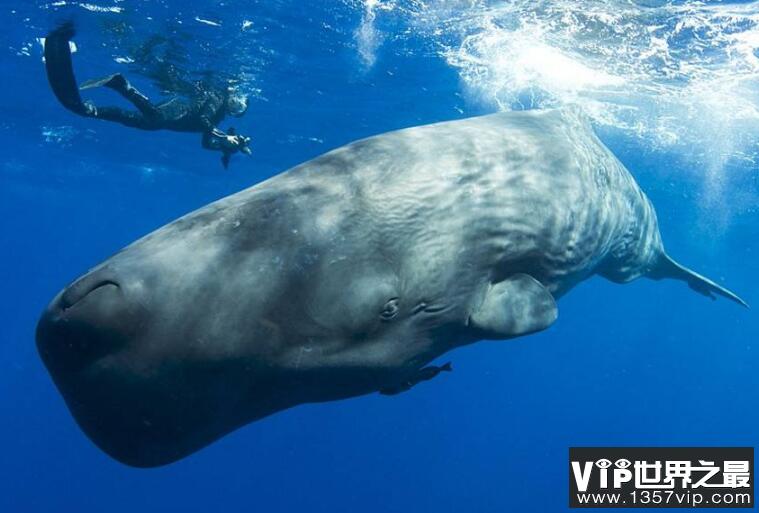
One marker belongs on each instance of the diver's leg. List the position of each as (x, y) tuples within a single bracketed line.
[(60, 72), (122, 86), (125, 117)]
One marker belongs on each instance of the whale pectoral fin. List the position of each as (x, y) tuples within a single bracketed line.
[(516, 306)]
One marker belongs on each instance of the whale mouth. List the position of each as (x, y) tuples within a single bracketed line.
[(102, 341), (87, 338), (88, 320), (72, 295)]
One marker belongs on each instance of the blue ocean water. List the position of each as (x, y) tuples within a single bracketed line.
[(673, 88)]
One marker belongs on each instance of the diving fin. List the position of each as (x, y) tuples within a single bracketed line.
[(60, 69), (99, 82), (668, 268), (513, 307)]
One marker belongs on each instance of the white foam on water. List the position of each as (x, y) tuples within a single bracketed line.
[(61, 135), (87, 6), (207, 22), (98, 8), (368, 38), (680, 77)]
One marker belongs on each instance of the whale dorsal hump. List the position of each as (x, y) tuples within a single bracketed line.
[(513, 307)]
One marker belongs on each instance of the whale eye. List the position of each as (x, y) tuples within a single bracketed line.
[(390, 309)]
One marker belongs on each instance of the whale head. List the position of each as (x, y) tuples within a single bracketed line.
[(267, 299)]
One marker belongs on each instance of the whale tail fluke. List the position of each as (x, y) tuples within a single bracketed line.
[(668, 268)]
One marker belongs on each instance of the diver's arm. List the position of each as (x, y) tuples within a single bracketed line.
[(219, 140), (212, 139), (227, 144), (208, 113), (208, 126)]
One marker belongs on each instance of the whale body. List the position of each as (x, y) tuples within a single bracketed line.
[(345, 276)]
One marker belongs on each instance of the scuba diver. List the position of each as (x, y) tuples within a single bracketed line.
[(207, 108), (424, 374)]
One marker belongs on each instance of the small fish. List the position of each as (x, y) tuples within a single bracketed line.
[(425, 374)]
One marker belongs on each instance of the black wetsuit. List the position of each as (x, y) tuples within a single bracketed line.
[(202, 114)]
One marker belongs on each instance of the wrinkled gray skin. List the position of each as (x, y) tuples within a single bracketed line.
[(343, 276)]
